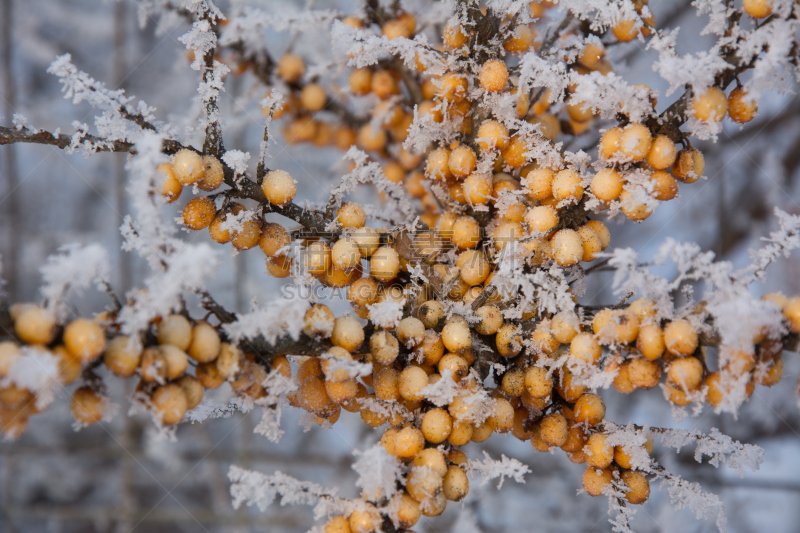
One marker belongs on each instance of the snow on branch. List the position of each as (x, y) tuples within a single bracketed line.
[(281, 317), (254, 488), (490, 469), (780, 243), (378, 472), (719, 447), (73, 269)]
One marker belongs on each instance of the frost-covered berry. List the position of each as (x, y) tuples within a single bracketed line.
[(347, 333), (456, 337), (84, 339), (313, 97), (758, 9), (639, 486), (198, 213), (589, 409), (461, 161), (689, 165), (291, 68), (121, 357), (34, 325), (187, 166), (247, 236), (662, 153), (632, 208), (591, 55), (599, 454), (274, 240), (635, 142), (466, 232), (607, 184), (360, 81), (279, 187), (567, 247), (169, 403), (585, 348), (592, 245), (595, 480), (680, 338), (541, 219), (88, 406), (345, 254), (213, 174), (685, 373), (351, 215), (455, 484), (477, 189), (492, 135), (452, 87), (520, 40), (170, 188), (610, 143), (650, 341), (539, 183), (567, 185), (710, 105), (494, 75), (175, 330), (602, 232), (643, 373), (626, 30), (384, 264), (205, 344), (741, 107)]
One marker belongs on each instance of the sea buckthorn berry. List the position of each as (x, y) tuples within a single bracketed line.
[(564, 326), (494, 75), (539, 183), (291, 68), (579, 111), (680, 338), (215, 230), (541, 219), (279, 187), (170, 188), (384, 84), (506, 233), (213, 174), (639, 486), (411, 332), (437, 166), (247, 236), (689, 166), (88, 406), (520, 40), (351, 215), (635, 142), (643, 373), (347, 333), (662, 153), (345, 254), (523, 103), (622, 381), (279, 267), (664, 186), (542, 340), (477, 189), (791, 311), (466, 232), (456, 336), (592, 245), (461, 161), (602, 232), (741, 107), (187, 167), (436, 425), (553, 429), (566, 185), (492, 135), (452, 87), (631, 206), (365, 521), (502, 418), (508, 341), (491, 320), (610, 143), (384, 264), (585, 348), (122, 357), (455, 484), (337, 524), (367, 239), (685, 373), (567, 247), (169, 403), (643, 308), (626, 30), (430, 313), (474, 268), (607, 184), (758, 9), (454, 36), (198, 213), (34, 325), (576, 438), (589, 409), (193, 391), (650, 341), (175, 361), (274, 240), (712, 105), (591, 55), (360, 81), (408, 442), (175, 330), (596, 480), (599, 454), (537, 382), (407, 510), (370, 139), (84, 339)]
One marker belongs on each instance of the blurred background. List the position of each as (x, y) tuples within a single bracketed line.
[(123, 477)]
